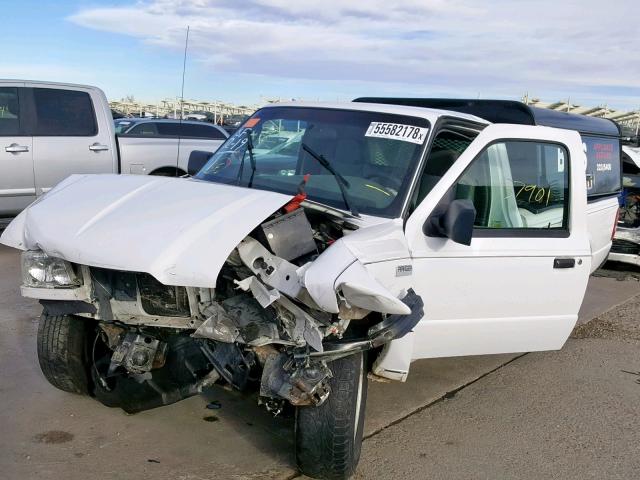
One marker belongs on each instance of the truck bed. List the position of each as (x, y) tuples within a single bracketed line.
[(602, 215)]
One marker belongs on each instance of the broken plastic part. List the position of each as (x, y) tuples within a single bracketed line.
[(360, 289)]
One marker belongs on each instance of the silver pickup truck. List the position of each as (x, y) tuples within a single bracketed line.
[(49, 131)]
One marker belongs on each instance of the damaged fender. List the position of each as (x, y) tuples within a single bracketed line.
[(341, 270)]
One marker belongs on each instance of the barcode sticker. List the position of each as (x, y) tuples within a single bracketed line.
[(397, 131)]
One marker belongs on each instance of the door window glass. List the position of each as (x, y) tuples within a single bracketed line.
[(64, 113), (518, 185), (168, 129), (9, 111), (144, 129), (202, 131)]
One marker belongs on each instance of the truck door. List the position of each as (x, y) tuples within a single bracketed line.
[(72, 134), (17, 189), (519, 285)]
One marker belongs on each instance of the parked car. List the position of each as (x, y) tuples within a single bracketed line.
[(49, 131), (626, 241), (164, 146), (390, 234)]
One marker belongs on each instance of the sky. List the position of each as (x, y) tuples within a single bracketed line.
[(245, 51)]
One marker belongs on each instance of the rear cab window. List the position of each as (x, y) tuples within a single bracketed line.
[(67, 113), (604, 175)]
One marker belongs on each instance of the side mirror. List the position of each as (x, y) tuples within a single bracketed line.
[(453, 221), (197, 160)]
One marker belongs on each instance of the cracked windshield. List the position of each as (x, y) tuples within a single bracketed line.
[(360, 162)]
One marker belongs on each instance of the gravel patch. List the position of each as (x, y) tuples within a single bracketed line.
[(619, 323)]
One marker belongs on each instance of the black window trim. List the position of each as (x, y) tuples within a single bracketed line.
[(441, 124)]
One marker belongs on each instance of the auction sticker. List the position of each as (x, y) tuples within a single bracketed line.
[(397, 131)]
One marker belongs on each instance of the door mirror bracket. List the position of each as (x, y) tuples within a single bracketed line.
[(453, 221)]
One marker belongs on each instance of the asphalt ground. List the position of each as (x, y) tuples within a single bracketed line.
[(567, 414)]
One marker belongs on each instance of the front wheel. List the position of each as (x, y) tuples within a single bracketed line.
[(329, 437), (63, 352)]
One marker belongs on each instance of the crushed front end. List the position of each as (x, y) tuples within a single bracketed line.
[(289, 299)]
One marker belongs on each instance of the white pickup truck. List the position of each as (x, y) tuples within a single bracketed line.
[(374, 236), (49, 131)]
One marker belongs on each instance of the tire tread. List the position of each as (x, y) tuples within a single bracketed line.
[(327, 439), (62, 352)]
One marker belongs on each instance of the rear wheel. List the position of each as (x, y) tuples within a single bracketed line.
[(329, 437), (63, 352)]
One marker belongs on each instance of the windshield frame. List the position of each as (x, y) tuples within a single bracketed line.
[(397, 206)]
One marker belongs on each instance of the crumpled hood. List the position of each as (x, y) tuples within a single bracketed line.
[(181, 231)]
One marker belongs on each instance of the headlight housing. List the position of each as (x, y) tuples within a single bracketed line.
[(42, 271)]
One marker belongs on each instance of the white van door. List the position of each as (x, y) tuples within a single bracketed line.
[(72, 134), (17, 189), (519, 285)]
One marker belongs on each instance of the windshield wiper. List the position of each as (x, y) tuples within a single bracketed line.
[(252, 159), (342, 182)]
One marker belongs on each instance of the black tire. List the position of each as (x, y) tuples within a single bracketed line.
[(329, 437), (63, 346)]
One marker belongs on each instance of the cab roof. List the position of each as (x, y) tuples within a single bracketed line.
[(509, 111), (430, 114)]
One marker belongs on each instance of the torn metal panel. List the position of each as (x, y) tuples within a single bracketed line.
[(272, 270), (320, 276), (262, 294), (290, 236), (301, 327), (218, 325), (378, 243)]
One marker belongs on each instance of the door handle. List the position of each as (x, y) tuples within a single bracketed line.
[(96, 147), (15, 148), (564, 262)]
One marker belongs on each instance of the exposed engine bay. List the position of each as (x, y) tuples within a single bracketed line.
[(267, 325)]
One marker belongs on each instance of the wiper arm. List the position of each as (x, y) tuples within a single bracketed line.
[(342, 182), (252, 159)]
